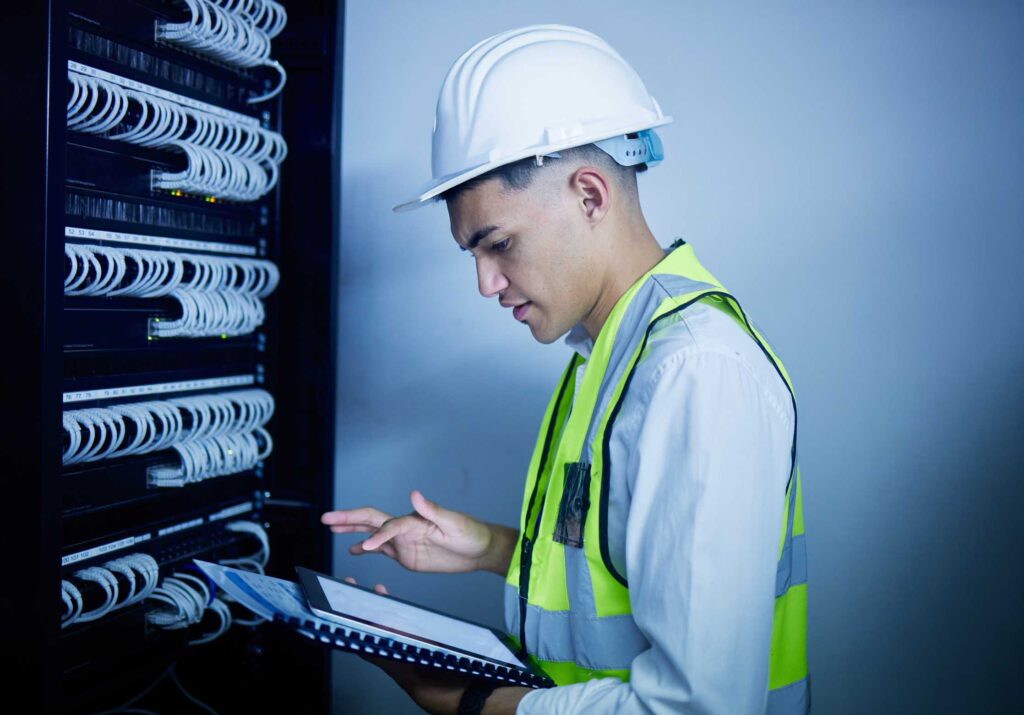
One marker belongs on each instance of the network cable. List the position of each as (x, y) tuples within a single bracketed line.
[(237, 33)]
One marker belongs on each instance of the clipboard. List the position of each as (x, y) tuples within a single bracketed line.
[(394, 628), (284, 603)]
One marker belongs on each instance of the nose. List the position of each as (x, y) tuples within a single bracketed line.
[(490, 279)]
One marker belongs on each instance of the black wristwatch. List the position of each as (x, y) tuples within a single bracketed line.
[(472, 702)]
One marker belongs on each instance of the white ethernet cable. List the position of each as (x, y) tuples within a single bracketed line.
[(213, 457), (227, 429), (262, 556), (187, 604), (226, 156), (107, 582), (122, 567), (150, 570), (143, 564), (188, 598), (82, 113), (237, 33), (72, 598), (208, 602), (221, 610), (218, 174), (222, 295), (159, 120), (204, 590), (104, 432), (66, 597)]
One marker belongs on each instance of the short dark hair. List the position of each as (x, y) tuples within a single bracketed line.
[(520, 174)]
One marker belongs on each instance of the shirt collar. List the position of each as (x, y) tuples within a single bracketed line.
[(579, 340)]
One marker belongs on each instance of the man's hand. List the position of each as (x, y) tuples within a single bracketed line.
[(431, 538)]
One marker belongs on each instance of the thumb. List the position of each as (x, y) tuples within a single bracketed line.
[(428, 509)]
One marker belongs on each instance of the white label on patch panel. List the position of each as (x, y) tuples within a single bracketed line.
[(99, 550), (159, 241), (111, 393)]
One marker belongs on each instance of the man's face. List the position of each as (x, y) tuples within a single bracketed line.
[(527, 249)]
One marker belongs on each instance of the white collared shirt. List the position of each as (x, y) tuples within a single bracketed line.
[(700, 458)]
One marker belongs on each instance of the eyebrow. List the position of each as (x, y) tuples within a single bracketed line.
[(478, 236)]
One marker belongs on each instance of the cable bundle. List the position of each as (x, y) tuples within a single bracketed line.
[(218, 295), (226, 158), (217, 174), (97, 106), (187, 597), (143, 565), (234, 418), (214, 457), (236, 32), (254, 562)]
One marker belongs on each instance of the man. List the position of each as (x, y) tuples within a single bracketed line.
[(659, 561)]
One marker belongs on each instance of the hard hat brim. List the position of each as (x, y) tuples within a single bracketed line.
[(439, 186)]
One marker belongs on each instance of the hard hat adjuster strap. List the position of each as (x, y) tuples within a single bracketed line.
[(646, 148)]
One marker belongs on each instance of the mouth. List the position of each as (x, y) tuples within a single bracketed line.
[(519, 311)]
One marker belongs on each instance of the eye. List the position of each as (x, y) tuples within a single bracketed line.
[(500, 246)]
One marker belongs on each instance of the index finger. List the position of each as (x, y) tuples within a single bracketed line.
[(389, 530), (364, 516)]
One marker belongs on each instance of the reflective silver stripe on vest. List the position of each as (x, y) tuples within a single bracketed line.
[(792, 568), (792, 699), (608, 643)]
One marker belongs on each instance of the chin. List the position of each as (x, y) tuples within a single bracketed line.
[(545, 337)]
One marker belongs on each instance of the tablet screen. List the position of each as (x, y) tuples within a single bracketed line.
[(404, 619)]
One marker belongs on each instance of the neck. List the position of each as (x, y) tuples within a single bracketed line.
[(633, 253)]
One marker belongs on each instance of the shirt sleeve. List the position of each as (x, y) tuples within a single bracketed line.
[(707, 446)]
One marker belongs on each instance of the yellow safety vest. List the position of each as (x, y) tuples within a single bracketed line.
[(566, 604)]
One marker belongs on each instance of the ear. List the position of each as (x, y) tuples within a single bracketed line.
[(591, 190)]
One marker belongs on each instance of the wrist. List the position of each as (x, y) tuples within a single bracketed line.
[(498, 554), (474, 697), (485, 698), (505, 701)]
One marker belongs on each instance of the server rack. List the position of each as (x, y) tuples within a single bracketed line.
[(96, 352)]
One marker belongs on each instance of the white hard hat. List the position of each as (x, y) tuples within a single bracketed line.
[(531, 92)]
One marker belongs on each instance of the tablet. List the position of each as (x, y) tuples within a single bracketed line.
[(367, 610)]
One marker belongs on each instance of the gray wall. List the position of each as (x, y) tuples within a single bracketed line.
[(856, 175)]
